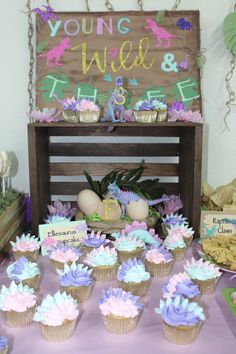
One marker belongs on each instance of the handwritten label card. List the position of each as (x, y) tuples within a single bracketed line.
[(71, 232), (217, 223)]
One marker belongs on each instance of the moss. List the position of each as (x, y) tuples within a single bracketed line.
[(9, 198)]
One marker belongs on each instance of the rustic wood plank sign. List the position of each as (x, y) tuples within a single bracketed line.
[(82, 54)]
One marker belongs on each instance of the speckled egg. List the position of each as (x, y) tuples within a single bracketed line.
[(138, 210), (88, 201)]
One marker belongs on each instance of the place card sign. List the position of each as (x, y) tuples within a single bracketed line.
[(70, 233), (217, 223)]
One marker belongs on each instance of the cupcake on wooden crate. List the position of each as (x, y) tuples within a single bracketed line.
[(93, 240), (144, 112), (180, 284), (172, 219), (181, 320), (120, 310), (158, 261), (69, 109), (104, 262), (88, 110), (57, 316), (26, 246), (76, 280), (175, 244), (128, 247), (203, 273), (61, 254), (25, 272), (133, 277), (17, 304), (161, 108), (3, 345)]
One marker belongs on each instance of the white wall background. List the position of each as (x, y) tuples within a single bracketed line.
[(219, 148)]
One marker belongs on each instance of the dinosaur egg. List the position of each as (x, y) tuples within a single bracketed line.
[(138, 210), (88, 201)]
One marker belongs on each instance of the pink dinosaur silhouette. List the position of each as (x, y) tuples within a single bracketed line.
[(160, 33), (57, 52)]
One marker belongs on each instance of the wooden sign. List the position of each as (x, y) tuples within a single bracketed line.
[(82, 54), (70, 233), (217, 223)]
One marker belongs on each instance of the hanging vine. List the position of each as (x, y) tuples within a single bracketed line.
[(229, 29), (176, 5), (31, 51)]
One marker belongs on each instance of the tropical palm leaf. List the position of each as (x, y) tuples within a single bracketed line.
[(229, 29)]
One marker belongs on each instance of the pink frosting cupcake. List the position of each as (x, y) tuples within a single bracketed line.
[(17, 304), (61, 254), (26, 246), (159, 261)]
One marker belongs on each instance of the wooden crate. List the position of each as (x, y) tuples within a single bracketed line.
[(12, 222), (180, 142)]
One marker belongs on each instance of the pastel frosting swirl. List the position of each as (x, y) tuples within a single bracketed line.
[(75, 275), (132, 271), (180, 285), (174, 219), (174, 240), (22, 269), (64, 253), (26, 243), (17, 298), (201, 270), (182, 230), (179, 312), (94, 240), (159, 255), (3, 342), (128, 243), (118, 302), (102, 256), (56, 309)]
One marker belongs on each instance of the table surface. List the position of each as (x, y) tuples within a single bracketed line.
[(218, 334)]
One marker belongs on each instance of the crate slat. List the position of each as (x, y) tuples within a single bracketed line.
[(75, 149), (100, 169), (73, 188)]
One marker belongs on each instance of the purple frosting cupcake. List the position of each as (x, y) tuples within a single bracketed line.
[(180, 285), (93, 240)]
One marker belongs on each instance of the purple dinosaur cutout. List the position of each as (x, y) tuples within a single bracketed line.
[(46, 14), (125, 197), (160, 33)]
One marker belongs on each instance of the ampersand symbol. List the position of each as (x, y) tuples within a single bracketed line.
[(120, 96), (168, 65)]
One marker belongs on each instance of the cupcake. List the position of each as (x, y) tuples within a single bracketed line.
[(144, 111), (61, 254), (26, 246), (57, 317), (17, 304), (185, 231), (133, 277), (205, 274), (172, 220), (93, 240), (3, 345), (181, 320), (140, 231), (76, 280), (161, 109), (175, 244), (104, 262), (180, 284), (120, 310), (158, 261), (25, 272), (128, 247)]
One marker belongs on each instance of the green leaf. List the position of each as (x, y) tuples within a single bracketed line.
[(229, 30), (41, 46), (95, 185), (53, 84)]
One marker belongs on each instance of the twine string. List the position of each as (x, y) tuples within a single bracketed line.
[(176, 5), (140, 4), (231, 94), (87, 5), (31, 52)]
